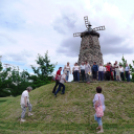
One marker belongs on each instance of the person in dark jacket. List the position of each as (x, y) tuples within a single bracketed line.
[(94, 71)]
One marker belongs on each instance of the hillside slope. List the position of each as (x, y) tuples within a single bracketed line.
[(72, 112)]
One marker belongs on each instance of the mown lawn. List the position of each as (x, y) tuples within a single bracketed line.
[(73, 112)]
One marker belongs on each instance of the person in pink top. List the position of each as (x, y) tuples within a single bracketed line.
[(98, 100)]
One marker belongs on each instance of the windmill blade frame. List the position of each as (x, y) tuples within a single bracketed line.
[(86, 21), (99, 28), (77, 34)]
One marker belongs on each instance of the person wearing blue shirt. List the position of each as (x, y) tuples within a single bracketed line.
[(94, 71), (127, 72)]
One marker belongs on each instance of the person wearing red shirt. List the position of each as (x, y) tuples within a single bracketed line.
[(108, 71), (111, 71), (57, 79)]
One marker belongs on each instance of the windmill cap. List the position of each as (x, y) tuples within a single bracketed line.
[(89, 24)]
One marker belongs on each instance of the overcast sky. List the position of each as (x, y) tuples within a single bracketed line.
[(29, 27)]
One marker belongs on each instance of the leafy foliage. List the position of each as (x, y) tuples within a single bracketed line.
[(124, 62), (43, 71), (20, 80), (1, 66), (5, 81), (132, 71), (13, 82)]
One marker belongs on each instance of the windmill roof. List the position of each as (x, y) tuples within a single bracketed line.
[(93, 33)]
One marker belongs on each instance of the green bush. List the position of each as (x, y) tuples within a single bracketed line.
[(132, 79), (5, 92)]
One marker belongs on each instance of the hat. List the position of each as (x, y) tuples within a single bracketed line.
[(89, 24)]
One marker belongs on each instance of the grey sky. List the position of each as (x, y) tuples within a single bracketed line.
[(32, 27)]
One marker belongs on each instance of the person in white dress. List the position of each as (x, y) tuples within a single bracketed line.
[(118, 78), (68, 70)]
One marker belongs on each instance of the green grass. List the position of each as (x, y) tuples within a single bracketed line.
[(71, 113)]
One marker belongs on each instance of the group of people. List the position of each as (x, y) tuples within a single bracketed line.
[(98, 72), (114, 72), (85, 72), (59, 81), (108, 72), (84, 69)]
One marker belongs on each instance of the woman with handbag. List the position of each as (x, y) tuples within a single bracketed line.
[(99, 106)]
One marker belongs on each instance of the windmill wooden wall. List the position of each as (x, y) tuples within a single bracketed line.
[(90, 50)]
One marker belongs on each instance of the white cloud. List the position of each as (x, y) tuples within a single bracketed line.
[(32, 27)]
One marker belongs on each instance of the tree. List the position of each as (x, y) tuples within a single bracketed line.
[(20, 80), (124, 62), (13, 82), (5, 82), (132, 70), (1, 67), (45, 68)]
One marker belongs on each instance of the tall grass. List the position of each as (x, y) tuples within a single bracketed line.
[(72, 112)]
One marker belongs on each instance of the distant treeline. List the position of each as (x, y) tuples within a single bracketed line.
[(13, 82), (123, 63)]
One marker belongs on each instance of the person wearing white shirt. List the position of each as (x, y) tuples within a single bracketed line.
[(101, 72), (61, 84), (82, 67), (127, 72), (76, 71), (122, 72), (68, 69), (25, 103)]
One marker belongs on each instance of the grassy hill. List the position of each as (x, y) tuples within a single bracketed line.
[(71, 113)]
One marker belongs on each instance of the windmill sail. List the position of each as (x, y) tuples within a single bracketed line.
[(99, 28), (86, 21), (77, 34)]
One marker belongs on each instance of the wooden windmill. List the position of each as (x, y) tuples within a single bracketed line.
[(89, 29), (90, 48)]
